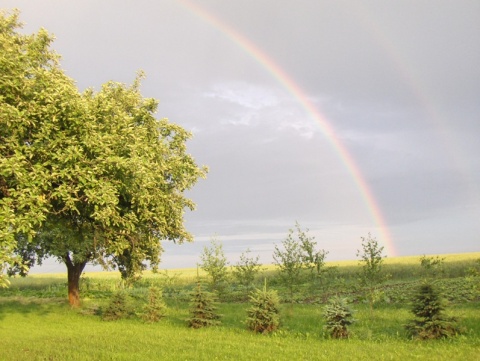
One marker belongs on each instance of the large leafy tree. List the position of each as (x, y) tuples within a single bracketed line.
[(91, 177)]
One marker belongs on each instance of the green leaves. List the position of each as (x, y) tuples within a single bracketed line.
[(91, 174), (371, 275), (215, 263)]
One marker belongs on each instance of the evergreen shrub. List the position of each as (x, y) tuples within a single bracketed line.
[(338, 317), (117, 308), (428, 306), (155, 309), (203, 309), (263, 315)]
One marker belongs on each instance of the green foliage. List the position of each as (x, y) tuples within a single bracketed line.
[(298, 253), (338, 316), (312, 259), (246, 269), (203, 310), (117, 308), (39, 297), (263, 315), (155, 309), (289, 259), (30, 86), (56, 332), (432, 266), (371, 274), (84, 177), (428, 306), (215, 264)]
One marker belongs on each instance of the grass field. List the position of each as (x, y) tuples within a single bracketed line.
[(37, 324)]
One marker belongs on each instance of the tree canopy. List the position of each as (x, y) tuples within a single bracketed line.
[(84, 177)]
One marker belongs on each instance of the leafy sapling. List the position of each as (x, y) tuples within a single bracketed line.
[(246, 269), (371, 274), (313, 259), (289, 259), (432, 266), (215, 264)]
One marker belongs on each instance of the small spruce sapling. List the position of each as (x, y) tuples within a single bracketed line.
[(155, 309), (338, 317), (203, 309), (117, 308), (428, 306), (263, 315)]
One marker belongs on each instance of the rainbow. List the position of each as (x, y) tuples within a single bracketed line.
[(300, 95), (413, 79)]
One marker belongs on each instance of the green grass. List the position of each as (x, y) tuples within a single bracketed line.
[(50, 330), (37, 324)]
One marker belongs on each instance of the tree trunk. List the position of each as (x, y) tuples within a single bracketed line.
[(74, 272)]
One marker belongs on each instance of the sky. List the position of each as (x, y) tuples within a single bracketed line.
[(348, 117)]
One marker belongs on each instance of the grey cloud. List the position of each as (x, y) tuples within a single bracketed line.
[(397, 81)]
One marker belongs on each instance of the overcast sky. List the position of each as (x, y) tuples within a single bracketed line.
[(398, 82)]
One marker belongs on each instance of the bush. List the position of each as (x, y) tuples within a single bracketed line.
[(371, 274), (117, 308), (203, 309), (155, 309), (432, 266), (263, 316), (289, 259), (215, 264), (338, 317), (246, 269), (430, 323)]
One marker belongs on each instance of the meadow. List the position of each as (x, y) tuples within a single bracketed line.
[(36, 322)]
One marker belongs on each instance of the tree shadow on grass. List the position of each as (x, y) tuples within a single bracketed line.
[(30, 305)]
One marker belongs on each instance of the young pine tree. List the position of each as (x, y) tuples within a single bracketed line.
[(117, 308), (155, 309), (263, 315), (202, 309), (338, 317), (428, 306)]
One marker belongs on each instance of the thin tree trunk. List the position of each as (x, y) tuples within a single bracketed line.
[(74, 272)]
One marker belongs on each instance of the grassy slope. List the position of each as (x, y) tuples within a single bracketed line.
[(32, 328), (52, 331)]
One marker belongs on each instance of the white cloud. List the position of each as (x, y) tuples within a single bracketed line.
[(246, 95)]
